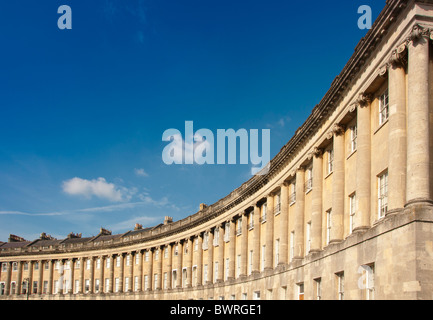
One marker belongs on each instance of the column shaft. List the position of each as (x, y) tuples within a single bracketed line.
[(299, 215), (159, 268), (121, 272), (169, 263), (200, 260), (397, 137), (244, 244), (418, 154), (179, 265), (111, 275), (210, 260), (221, 253), (189, 263), (284, 224), (71, 277), (19, 277), (82, 267), (269, 239), (8, 278), (337, 214), (256, 240), (363, 168), (101, 274), (50, 276), (316, 205), (232, 249)]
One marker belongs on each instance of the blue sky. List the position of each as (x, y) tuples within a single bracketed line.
[(83, 110)]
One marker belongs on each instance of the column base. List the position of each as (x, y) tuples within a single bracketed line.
[(335, 241), (419, 201), (360, 229)]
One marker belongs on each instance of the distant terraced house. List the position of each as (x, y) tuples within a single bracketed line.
[(345, 211)]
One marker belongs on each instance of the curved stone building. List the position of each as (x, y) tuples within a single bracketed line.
[(345, 211)]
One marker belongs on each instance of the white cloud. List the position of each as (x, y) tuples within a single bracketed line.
[(97, 187), (141, 173), (280, 123)]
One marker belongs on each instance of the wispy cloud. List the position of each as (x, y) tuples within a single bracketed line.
[(21, 213), (146, 201), (99, 188), (280, 123), (141, 173), (134, 11)]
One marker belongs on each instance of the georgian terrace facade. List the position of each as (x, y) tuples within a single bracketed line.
[(345, 211)]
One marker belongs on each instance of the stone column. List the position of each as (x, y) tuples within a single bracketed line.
[(40, 276), (30, 283), (299, 214), (179, 264), (316, 202), (189, 263), (284, 224), (158, 270), (140, 270), (169, 265), (397, 132), (8, 278), (50, 276), (210, 260), (19, 278), (71, 277), (363, 165), (92, 275), (221, 253), (82, 267), (418, 153), (61, 277), (269, 240), (337, 214), (150, 270), (232, 250), (121, 272), (101, 274), (200, 259), (256, 239), (111, 274), (131, 272), (244, 245)]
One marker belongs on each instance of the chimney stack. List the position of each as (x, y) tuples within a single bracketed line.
[(14, 238), (138, 226), (168, 220)]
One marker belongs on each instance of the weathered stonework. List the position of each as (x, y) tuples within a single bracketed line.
[(345, 211)]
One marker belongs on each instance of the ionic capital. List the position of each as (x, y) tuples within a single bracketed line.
[(300, 169), (419, 32), (364, 99), (317, 152), (397, 59), (336, 130)]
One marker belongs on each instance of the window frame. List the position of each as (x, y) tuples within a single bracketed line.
[(382, 190), (383, 106)]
